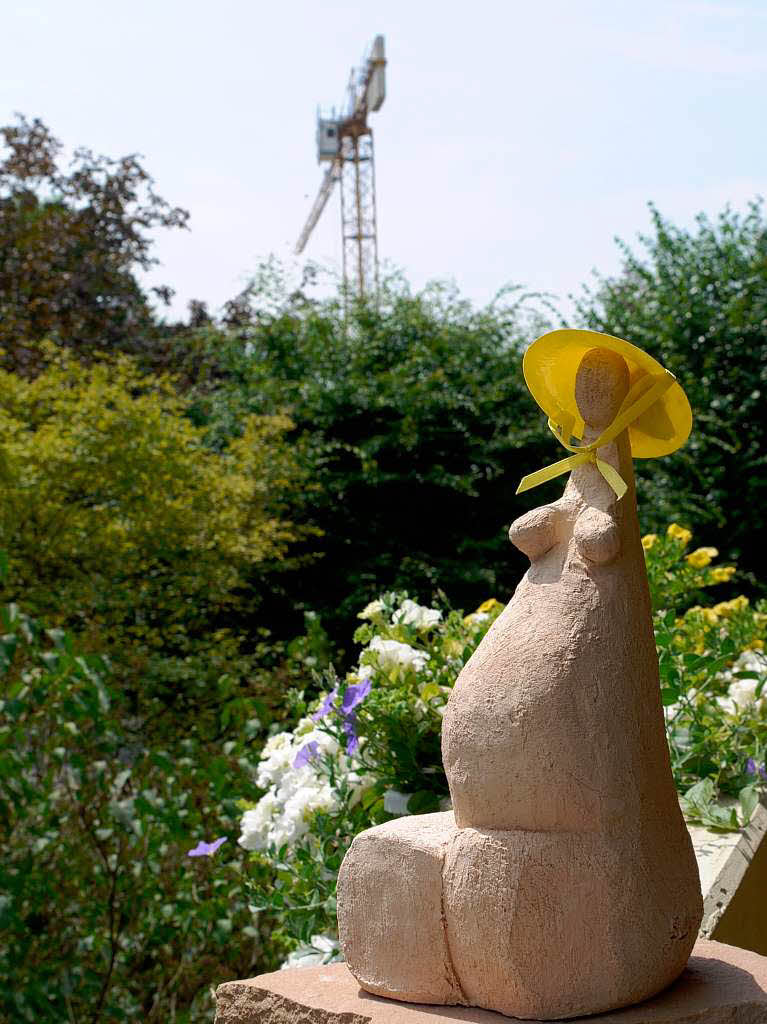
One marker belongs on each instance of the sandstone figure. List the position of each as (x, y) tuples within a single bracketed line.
[(563, 883)]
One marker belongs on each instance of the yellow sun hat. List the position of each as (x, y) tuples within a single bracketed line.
[(655, 412)]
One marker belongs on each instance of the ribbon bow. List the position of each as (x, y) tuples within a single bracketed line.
[(641, 396)]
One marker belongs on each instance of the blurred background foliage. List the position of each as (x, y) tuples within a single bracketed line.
[(192, 514)]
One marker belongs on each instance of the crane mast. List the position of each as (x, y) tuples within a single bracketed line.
[(345, 142)]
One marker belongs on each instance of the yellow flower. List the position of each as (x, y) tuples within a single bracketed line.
[(649, 540), (728, 607), (722, 573), (677, 532), (489, 606), (702, 557), (709, 615)]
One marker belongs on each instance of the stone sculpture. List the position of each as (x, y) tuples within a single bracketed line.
[(563, 883)]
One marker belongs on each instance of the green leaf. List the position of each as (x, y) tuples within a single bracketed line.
[(698, 798), (423, 802), (749, 798)]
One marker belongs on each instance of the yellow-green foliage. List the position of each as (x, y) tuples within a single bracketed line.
[(115, 511)]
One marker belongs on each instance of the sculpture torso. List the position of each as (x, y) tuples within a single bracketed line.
[(555, 722)]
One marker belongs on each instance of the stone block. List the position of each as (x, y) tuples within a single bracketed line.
[(720, 985), (733, 877)]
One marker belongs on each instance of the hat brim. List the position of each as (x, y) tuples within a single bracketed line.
[(550, 365)]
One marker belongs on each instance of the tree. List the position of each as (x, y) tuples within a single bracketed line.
[(119, 521), (415, 426), (697, 299), (70, 244)]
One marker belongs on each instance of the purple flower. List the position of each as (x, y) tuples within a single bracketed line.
[(354, 695), (352, 740), (306, 754), (327, 705), (204, 849), (751, 766)]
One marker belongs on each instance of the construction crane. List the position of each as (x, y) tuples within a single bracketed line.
[(345, 143)]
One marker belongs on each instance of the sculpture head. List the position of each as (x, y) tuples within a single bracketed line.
[(601, 384), (593, 388)]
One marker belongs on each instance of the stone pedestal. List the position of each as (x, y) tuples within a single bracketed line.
[(721, 985)]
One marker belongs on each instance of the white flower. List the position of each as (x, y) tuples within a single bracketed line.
[(396, 802), (310, 795), (256, 823), (741, 693), (281, 815), (293, 793), (322, 949), (751, 661), (411, 614), (276, 758), (393, 654), (370, 610)]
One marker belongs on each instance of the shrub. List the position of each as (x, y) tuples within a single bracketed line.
[(697, 299), (119, 521), (411, 413), (103, 915), (713, 671)]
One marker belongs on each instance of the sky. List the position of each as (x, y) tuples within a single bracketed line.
[(517, 140)]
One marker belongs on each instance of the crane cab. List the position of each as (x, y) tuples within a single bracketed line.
[(328, 139)]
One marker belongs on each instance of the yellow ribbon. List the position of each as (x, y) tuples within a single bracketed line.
[(637, 401)]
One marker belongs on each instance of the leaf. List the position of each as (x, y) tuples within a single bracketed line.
[(119, 780), (699, 797), (423, 802), (749, 798), (722, 818)]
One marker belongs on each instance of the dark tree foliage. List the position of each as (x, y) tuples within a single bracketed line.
[(70, 243), (415, 424), (697, 299)]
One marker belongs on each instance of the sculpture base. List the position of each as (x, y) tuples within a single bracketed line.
[(721, 985)]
